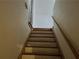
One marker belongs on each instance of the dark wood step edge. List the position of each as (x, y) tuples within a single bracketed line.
[(42, 29), (42, 41), (41, 54), (42, 47), (42, 33), (43, 36)]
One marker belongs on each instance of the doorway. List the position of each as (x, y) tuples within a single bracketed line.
[(41, 11)]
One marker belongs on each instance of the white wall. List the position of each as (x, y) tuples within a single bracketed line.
[(66, 13), (13, 28), (42, 12)]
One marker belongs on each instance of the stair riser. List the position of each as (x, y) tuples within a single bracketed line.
[(42, 32), (40, 57), (43, 39), (42, 44), (45, 51)]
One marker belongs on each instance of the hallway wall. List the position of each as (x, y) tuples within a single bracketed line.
[(13, 28), (66, 13), (42, 12)]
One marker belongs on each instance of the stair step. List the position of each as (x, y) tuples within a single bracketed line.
[(43, 32), (42, 44), (42, 35), (42, 29), (40, 57), (43, 39), (41, 51)]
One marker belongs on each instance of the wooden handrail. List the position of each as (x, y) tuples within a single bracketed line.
[(67, 39)]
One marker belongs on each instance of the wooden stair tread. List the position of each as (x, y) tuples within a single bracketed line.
[(42, 35), (45, 32), (42, 44), (39, 57), (45, 51), (43, 39)]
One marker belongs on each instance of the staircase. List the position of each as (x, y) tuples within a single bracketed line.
[(41, 44)]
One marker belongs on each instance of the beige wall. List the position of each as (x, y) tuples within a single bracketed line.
[(66, 13), (65, 49), (13, 28)]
